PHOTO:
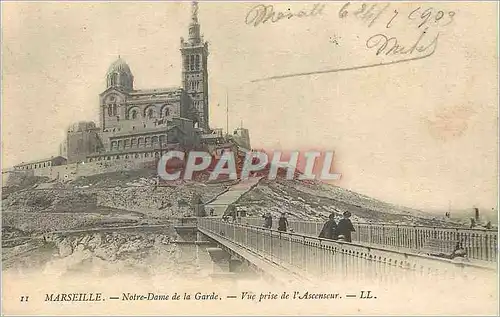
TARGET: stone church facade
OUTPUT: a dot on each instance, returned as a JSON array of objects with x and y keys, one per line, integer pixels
[
  {"x": 138, "y": 126},
  {"x": 143, "y": 123}
]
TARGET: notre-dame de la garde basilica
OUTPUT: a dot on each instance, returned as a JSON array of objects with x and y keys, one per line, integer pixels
[
  {"x": 141, "y": 124},
  {"x": 135, "y": 122}
]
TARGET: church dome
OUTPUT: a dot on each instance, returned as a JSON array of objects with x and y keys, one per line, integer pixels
[
  {"x": 119, "y": 75},
  {"x": 119, "y": 66},
  {"x": 82, "y": 126}
]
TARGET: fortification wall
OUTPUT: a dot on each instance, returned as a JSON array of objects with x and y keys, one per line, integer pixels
[
  {"x": 15, "y": 178},
  {"x": 75, "y": 170}
]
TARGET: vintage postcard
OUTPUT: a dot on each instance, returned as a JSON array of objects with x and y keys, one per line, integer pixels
[{"x": 249, "y": 158}]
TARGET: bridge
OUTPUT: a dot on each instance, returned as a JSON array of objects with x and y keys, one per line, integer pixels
[{"x": 377, "y": 253}]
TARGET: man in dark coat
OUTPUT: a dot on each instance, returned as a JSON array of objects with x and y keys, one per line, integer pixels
[
  {"x": 345, "y": 227},
  {"x": 268, "y": 220},
  {"x": 283, "y": 222},
  {"x": 329, "y": 229}
]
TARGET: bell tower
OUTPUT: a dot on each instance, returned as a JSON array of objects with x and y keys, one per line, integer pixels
[{"x": 194, "y": 53}]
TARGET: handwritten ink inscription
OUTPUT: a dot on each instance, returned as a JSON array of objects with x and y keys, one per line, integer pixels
[
  {"x": 371, "y": 13},
  {"x": 426, "y": 19},
  {"x": 261, "y": 13},
  {"x": 391, "y": 46},
  {"x": 365, "y": 13},
  {"x": 431, "y": 15},
  {"x": 404, "y": 33}
]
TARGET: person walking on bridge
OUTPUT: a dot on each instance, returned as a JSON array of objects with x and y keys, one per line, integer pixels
[
  {"x": 345, "y": 227},
  {"x": 268, "y": 220},
  {"x": 329, "y": 230},
  {"x": 283, "y": 222}
]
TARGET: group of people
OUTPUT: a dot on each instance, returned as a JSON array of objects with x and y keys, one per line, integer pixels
[
  {"x": 331, "y": 229},
  {"x": 282, "y": 221},
  {"x": 341, "y": 231}
]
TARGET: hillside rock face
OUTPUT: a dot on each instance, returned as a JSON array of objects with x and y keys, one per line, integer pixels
[
  {"x": 139, "y": 192},
  {"x": 107, "y": 252},
  {"x": 169, "y": 200},
  {"x": 109, "y": 246},
  {"x": 316, "y": 201},
  {"x": 51, "y": 200}
]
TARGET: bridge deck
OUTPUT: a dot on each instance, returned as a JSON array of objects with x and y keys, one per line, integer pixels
[
  {"x": 278, "y": 271},
  {"x": 231, "y": 196},
  {"x": 309, "y": 258}
]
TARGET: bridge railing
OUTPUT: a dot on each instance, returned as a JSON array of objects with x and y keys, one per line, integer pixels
[
  {"x": 185, "y": 221},
  {"x": 478, "y": 243},
  {"x": 333, "y": 259}
]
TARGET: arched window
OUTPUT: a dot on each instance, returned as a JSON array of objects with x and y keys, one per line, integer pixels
[
  {"x": 162, "y": 139},
  {"x": 136, "y": 155},
  {"x": 110, "y": 111},
  {"x": 165, "y": 111},
  {"x": 157, "y": 154},
  {"x": 114, "y": 110},
  {"x": 132, "y": 113},
  {"x": 149, "y": 112},
  {"x": 146, "y": 154},
  {"x": 120, "y": 144},
  {"x": 114, "y": 144},
  {"x": 114, "y": 79},
  {"x": 197, "y": 62},
  {"x": 147, "y": 141},
  {"x": 140, "y": 142},
  {"x": 126, "y": 143},
  {"x": 133, "y": 142},
  {"x": 155, "y": 140}
]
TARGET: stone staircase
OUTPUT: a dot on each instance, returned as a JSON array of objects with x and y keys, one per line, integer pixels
[{"x": 221, "y": 203}]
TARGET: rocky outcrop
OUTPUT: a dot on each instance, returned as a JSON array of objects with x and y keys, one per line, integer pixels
[
  {"x": 53, "y": 200},
  {"x": 108, "y": 246},
  {"x": 143, "y": 251},
  {"x": 164, "y": 201},
  {"x": 37, "y": 222},
  {"x": 315, "y": 201},
  {"x": 155, "y": 201}
]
